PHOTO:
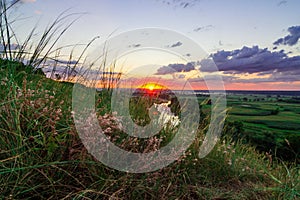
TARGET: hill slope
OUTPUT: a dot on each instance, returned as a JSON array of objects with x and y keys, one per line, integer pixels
[{"x": 41, "y": 155}]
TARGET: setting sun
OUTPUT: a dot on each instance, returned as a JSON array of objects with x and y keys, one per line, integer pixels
[{"x": 152, "y": 86}]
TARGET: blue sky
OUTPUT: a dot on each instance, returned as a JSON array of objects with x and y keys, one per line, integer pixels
[{"x": 216, "y": 25}]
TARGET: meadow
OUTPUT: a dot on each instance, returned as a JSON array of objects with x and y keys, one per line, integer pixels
[
  {"x": 269, "y": 122},
  {"x": 42, "y": 156}
]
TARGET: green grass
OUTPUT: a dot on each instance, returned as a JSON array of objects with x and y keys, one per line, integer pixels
[
  {"x": 43, "y": 161},
  {"x": 42, "y": 156},
  {"x": 277, "y": 132}
]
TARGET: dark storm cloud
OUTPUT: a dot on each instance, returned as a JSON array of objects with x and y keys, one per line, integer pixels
[
  {"x": 177, "y": 44},
  {"x": 290, "y": 39},
  {"x": 253, "y": 60},
  {"x": 173, "y": 68}
]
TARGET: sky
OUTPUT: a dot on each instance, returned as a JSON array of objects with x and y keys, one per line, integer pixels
[{"x": 254, "y": 44}]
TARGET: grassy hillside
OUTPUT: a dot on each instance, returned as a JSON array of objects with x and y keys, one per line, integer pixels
[{"x": 41, "y": 155}]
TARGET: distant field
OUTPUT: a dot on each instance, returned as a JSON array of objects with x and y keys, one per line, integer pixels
[
  {"x": 270, "y": 122},
  {"x": 267, "y": 114}
]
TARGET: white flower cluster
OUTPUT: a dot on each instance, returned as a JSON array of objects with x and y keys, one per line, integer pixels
[{"x": 166, "y": 118}]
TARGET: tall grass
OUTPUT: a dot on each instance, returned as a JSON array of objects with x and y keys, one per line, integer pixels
[{"x": 41, "y": 155}]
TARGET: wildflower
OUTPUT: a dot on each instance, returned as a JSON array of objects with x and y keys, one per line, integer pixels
[
  {"x": 230, "y": 162},
  {"x": 45, "y": 109},
  {"x": 108, "y": 130},
  {"x": 166, "y": 116}
]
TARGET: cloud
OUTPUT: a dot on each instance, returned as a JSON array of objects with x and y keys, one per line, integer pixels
[
  {"x": 176, "y": 45},
  {"x": 282, "y": 3},
  {"x": 180, "y": 3},
  {"x": 210, "y": 77},
  {"x": 59, "y": 72},
  {"x": 134, "y": 45},
  {"x": 276, "y": 66},
  {"x": 173, "y": 68},
  {"x": 178, "y": 76},
  {"x": 65, "y": 72},
  {"x": 22, "y": 1},
  {"x": 253, "y": 60},
  {"x": 28, "y": 1},
  {"x": 290, "y": 39},
  {"x": 12, "y": 47},
  {"x": 203, "y": 28}
]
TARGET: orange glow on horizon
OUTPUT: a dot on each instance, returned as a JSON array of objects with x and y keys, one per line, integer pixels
[{"x": 152, "y": 86}]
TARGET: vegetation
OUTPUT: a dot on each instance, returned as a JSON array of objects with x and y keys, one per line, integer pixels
[
  {"x": 42, "y": 156},
  {"x": 272, "y": 125}
]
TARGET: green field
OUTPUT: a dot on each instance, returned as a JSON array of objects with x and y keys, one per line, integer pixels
[{"x": 269, "y": 122}]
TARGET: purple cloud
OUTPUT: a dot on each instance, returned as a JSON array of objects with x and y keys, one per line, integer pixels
[
  {"x": 173, "y": 68},
  {"x": 290, "y": 39},
  {"x": 249, "y": 60}
]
